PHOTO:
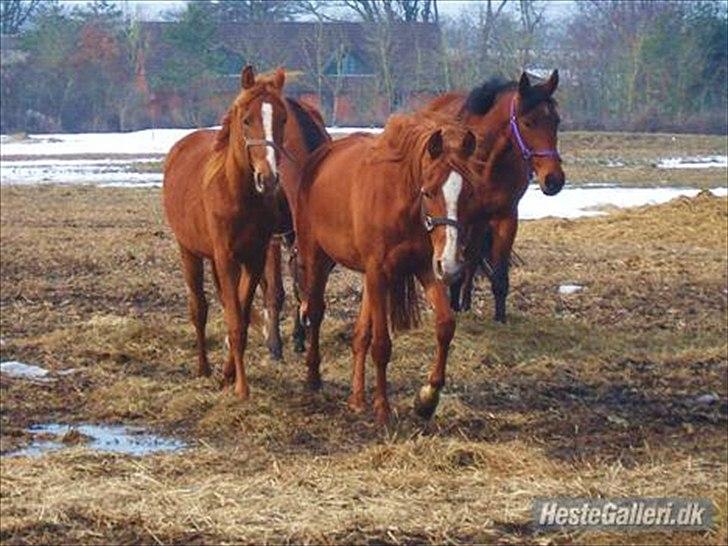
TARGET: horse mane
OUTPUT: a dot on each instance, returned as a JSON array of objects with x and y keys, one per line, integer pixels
[
  {"x": 314, "y": 135},
  {"x": 482, "y": 98}
]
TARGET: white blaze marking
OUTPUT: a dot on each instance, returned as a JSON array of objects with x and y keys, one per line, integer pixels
[
  {"x": 451, "y": 191},
  {"x": 268, "y": 127}
]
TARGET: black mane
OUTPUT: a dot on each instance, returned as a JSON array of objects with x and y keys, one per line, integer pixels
[
  {"x": 482, "y": 98},
  {"x": 313, "y": 135}
]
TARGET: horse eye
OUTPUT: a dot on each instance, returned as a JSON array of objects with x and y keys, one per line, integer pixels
[
  {"x": 246, "y": 122},
  {"x": 427, "y": 194}
]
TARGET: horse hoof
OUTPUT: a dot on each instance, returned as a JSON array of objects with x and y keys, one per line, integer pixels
[
  {"x": 426, "y": 401},
  {"x": 314, "y": 384},
  {"x": 382, "y": 413},
  {"x": 276, "y": 354},
  {"x": 356, "y": 404},
  {"x": 500, "y": 319},
  {"x": 299, "y": 346},
  {"x": 242, "y": 392},
  {"x": 204, "y": 371}
]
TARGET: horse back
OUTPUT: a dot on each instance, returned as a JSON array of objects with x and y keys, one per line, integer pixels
[{"x": 184, "y": 170}]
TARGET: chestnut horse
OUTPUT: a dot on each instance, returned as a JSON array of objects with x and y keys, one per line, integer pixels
[
  {"x": 517, "y": 126},
  {"x": 386, "y": 206},
  {"x": 220, "y": 203},
  {"x": 304, "y": 132}
]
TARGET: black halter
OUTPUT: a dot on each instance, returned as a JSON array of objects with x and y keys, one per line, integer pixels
[{"x": 431, "y": 222}]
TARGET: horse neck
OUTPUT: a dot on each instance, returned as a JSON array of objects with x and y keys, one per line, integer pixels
[{"x": 500, "y": 152}]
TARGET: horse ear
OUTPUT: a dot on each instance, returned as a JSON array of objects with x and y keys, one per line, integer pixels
[
  {"x": 552, "y": 83},
  {"x": 279, "y": 78},
  {"x": 524, "y": 84},
  {"x": 247, "y": 77},
  {"x": 468, "y": 146},
  {"x": 435, "y": 144}
]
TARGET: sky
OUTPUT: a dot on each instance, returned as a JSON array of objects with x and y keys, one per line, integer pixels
[{"x": 154, "y": 9}]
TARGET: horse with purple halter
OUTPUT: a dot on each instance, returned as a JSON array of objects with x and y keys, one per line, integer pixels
[{"x": 516, "y": 124}]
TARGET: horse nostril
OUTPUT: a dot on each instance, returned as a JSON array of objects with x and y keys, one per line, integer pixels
[
  {"x": 553, "y": 183},
  {"x": 438, "y": 268}
]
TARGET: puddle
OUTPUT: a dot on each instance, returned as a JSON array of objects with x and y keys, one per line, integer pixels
[
  {"x": 570, "y": 288},
  {"x": 13, "y": 368},
  {"x": 107, "y": 438}
]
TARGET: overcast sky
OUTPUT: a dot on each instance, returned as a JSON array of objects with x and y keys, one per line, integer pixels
[{"x": 154, "y": 9}]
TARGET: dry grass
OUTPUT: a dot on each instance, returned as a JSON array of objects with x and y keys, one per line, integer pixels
[{"x": 592, "y": 394}]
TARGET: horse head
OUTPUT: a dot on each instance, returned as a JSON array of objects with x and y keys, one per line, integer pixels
[
  {"x": 253, "y": 127},
  {"x": 534, "y": 124},
  {"x": 445, "y": 191}
]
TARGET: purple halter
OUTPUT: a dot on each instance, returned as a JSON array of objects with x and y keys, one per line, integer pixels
[{"x": 527, "y": 152}]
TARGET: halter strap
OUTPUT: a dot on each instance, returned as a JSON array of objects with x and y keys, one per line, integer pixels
[
  {"x": 251, "y": 142},
  {"x": 527, "y": 152},
  {"x": 431, "y": 222}
]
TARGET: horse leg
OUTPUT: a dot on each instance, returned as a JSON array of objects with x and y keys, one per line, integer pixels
[
  {"x": 228, "y": 371},
  {"x": 228, "y": 272},
  {"x": 504, "y": 233},
  {"x": 467, "y": 286},
  {"x": 193, "y": 268},
  {"x": 360, "y": 345},
  {"x": 316, "y": 274},
  {"x": 271, "y": 284},
  {"x": 299, "y": 332},
  {"x": 427, "y": 399},
  {"x": 381, "y": 344},
  {"x": 455, "y": 291},
  {"x": 473, "y": 254}
]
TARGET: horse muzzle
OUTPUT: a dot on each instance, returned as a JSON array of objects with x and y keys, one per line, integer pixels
[
  {"x": 265, "y": 182},
  {"x": 447, "y": 271},
  {"x": 553, "y": 183}
]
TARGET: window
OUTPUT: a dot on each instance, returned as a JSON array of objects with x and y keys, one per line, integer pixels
[{"x": 349, "y": 65}]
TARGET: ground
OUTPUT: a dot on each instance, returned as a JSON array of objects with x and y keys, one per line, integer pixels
[{"x": 597, "y": 393}]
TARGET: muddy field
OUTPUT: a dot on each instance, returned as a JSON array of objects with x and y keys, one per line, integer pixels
[{"x": 618, "y": 389}]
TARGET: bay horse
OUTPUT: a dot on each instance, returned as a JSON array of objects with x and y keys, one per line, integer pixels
[
  {"x": 304, "y": 132},
  {"x": 219, "y": 199},
  {"x": 517, "y": 126},
  {"x": 386, "y": 206}
]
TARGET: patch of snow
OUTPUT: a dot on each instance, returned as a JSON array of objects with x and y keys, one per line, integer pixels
[
  {"x": 109, "y": 438},
  {"x": 582, "y": 201},
  {"x": 570, "y": 288},
  {"x": 614, "y": 163},
  {"x": 63, "y": 172},
  {"x": 13, "y": 368},
  {"x": 120, "y": 184},
  {"x": 695, "y": 162},
  {"x": 147, "y": 141},
  {"x": 707, "y": 399},
  {"x": 343, "y": 131}
]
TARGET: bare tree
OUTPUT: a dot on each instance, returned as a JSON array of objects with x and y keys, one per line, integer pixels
[
  {"x": 408, "y": 11},
  {"x": 13, "y": 13}
]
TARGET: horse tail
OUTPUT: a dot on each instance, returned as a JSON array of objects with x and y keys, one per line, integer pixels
[{"x": 404, "y": 303}]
